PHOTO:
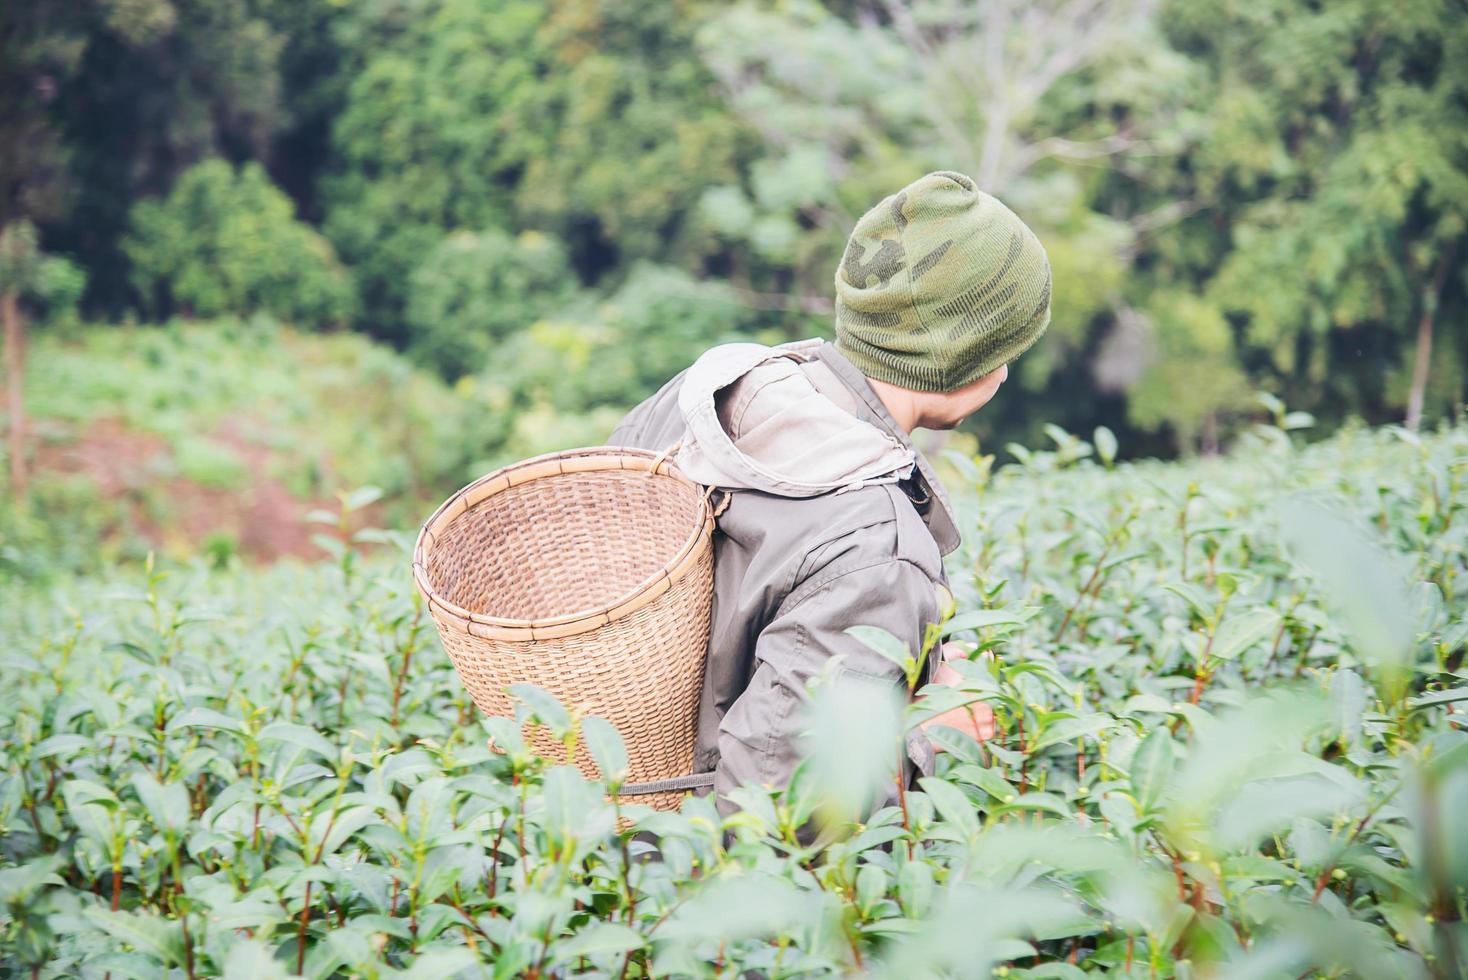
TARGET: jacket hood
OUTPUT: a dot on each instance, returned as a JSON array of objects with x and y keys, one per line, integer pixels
[{"x": 777, "y": 420}]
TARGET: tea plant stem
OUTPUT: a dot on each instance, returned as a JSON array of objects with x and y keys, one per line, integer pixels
[
  {"x": 520, "y": 825},
  {"x": 456, "y": 902},
  {"x": 664, "y": 917},
  {"x": 902, "y": 795},
  {"x": 1324, "y": 878},
  {"x": 544, "y": 955},
  {"x": 1182, "y": 524},
  {"x": 160, "y": 723},
  {"x": 1095, "y": 573},
  {"x": 1278, "y": 638},
  {"x": 626, "y": 867},
  {"x": 1304, "y": 650},
  {"x": 188, "y": 942},
  {"x": 1024, "y": 757},
  {"x": 30, "y": 805},
  {"x": 1177, "y": 872},
  {"x": 494, "y": 878},
  {"x": 397, "y": 688},
  {"x": 301, "y": 933}
]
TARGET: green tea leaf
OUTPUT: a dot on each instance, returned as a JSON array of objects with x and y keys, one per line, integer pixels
[
  {"x": 544, "y": 705},
  {"x": 1238, "y": 633},
  {"x": 977, "y": 619},
  {"x": 1105, "y": 441},
  {"x": 884, "y": 643},
  {"x": 206, "y": 718},
  {"x": 301, "y": 737},
  {"x": 952, "y": 805},
  {"x": 606, "y": 747},
  {"x": 988, "y": 780},
  {"x": 1151, "y": 768},
  {"x": 599, "y": 939},
  {"x": 152, "y": 934},
  {"x": 167, "y": 805}
]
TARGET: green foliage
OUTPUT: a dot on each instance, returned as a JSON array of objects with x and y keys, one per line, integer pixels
[
  {"x": 58, "y": 291},
  {"x": 20, "y": 257},
  {"x": 568, "y": 380},
  {"x": 421, "y": 138},
  {"x": 627, "y": 131},
  {"x": 587, "y": 118},
  {"x": 1339, "y": 158},
  {"x": 335, "y": 410},
  {"x": 120, "y": 97},
  {"x": 1194, "y": 373},
  {"x": 473, "y": 291},
  {"x": 50, "y": 285},
  {"x": 228, "y": 242},
  {"x": 1291, "y": 171},
  {"x": 1213, "y": 759}
]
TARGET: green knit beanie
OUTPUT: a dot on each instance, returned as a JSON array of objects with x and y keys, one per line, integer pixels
[{"x": 940, "y": 284}]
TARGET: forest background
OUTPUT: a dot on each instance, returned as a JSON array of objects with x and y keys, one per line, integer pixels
[{"x": 537, "y": 212}]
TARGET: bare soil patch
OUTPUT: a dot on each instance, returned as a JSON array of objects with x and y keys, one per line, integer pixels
[{"x": 265, "y": 520}]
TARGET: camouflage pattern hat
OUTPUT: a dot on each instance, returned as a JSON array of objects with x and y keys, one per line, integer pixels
[{"x": 940, "y": 284}]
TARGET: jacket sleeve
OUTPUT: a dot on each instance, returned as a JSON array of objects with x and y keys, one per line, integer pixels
[{"x": 759, "y": 737}]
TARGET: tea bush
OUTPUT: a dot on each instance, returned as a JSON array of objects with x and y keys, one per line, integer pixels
[{"x": 1230, "y": 701}]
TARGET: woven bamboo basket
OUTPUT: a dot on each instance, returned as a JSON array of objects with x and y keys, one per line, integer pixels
[{"x": 589, "y": 573}]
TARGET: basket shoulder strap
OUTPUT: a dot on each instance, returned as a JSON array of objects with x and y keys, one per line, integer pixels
[{"x": 696, "y": 780}]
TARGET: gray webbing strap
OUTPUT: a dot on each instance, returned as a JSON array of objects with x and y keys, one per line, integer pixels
[{"x": 696, "y": 781}]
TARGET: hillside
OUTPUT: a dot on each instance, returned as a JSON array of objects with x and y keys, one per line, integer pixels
[{"x": 222, "y": 437}]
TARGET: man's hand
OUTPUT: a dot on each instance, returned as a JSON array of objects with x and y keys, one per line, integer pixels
[{"x": 976, "y": 719}]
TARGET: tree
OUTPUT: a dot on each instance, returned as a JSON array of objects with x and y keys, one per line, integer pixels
[
  {"x": 1343, "y": 190},
  {"x": 227, "y": 241},
  {"x": 157, "y": 86},
  {"x": 591, "y": 120},
  {"x": 1192, "y": 372},
  {"x": 473, "y": 291},
  {"x": 566, "y": 379},
  {"x": 40, "y": 47},
  {"x": 20, "y": 261}
]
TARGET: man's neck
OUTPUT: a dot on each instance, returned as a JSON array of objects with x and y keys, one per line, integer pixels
[{"x": 899, "y": 404}]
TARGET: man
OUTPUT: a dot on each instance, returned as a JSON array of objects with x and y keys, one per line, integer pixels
[{"x": 833, "y": 518}]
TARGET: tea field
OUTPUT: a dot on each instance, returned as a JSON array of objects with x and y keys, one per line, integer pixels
[{"x": 1230, "y": 696}]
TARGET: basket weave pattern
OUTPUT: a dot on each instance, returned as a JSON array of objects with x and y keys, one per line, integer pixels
[{"x": 588, "y": 573}]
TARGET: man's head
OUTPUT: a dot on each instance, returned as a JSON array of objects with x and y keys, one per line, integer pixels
[{"x": 940, "y": 287}]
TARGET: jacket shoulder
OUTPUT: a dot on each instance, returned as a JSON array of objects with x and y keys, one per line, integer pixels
[
  {"x": 655, "y": 423},
  {"x": 837, "y": 534}
]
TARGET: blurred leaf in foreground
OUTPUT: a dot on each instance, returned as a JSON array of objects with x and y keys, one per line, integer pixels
[{"x": 1366, "y": 585}]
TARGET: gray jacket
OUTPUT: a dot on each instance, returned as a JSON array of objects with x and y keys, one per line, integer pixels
[{"x": 834, "y": 520}]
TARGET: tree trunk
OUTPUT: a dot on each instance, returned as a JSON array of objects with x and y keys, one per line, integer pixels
[
  {"x": 1210, "y": 434},
  {"x": 1423, "y": 360},
  {"x": 14, "y": 378}
]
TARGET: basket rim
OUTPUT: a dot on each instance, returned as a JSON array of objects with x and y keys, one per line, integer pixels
[{"x": 582, "y": 460}]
